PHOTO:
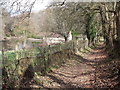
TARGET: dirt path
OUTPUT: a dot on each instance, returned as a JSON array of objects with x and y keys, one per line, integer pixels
[{"x": 81, "y": 71}]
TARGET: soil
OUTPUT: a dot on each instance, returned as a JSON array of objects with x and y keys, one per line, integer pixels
[{"x": 92, "y": 69}]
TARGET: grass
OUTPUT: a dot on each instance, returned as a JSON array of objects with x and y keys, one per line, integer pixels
[
  {"x": 9, "y": 55},
  {"x": 34, "y": 36},
  {"x": 85, "y": 50},
  {"x": 74, "y": 34},
  {"x": 51, "y": 68}
]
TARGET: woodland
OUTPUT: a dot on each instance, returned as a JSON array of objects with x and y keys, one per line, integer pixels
[{"x": 96, "y": 65}]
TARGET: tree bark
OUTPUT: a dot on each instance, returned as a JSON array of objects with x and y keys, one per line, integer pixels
[
  {"x": 107, "y": 26},
  {"x": 117, "y": 42}
]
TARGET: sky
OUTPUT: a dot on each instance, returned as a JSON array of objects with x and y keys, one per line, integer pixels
[
  {"x": 40, "y": 5},
  {"x": 22, "y": 5}
]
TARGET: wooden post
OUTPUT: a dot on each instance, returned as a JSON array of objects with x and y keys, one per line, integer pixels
[
  {"x": 3, "y": 59},
  {"x": 16, "y": 51},
  {"x": 73, "y": 47},
  {"x": 60, "y": 47},
  {"x": 44, "y": 72},
  {"x": 48, "y": 57}
]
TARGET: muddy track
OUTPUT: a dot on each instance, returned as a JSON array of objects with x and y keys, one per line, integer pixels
[{"x": 81, "y": 71}]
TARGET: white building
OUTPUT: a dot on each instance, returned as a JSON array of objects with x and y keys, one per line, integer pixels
[{"x": 69, "y": 36}]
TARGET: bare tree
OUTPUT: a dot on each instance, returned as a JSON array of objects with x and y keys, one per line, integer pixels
[
  {"x": 17, "y": 6},
  {"x": 61, "y": 20}
]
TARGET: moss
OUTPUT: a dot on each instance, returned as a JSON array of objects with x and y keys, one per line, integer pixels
[
  {"x": 91, "y": 27},
  {"x": 10, "y": 56}
]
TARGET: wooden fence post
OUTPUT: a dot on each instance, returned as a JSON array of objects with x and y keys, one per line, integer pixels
[
  {"x": 3, "y": 58},
  {"x": 74, "y": 47},
  {"x": 48, "y": 57},
  {"x": 45, "y": 59},
  {"x": 16, "y": 51},
  {"x": 60, "y": 47}
]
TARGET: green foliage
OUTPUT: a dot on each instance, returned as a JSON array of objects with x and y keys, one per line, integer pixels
[
  {"x": 36, "y": 43},
  {"x": 92, "y": 31},
  {"x": 75, "y": 33},
  {"x": 91, "y": 27},
  {"x": 55, "y": 67},
  {"x": 33, "y": 36},
  {"x": 50, "y": 68},
  {"x": 18, "y": 30},
  {"x": 24, "y": 30},
  {"x": 10, "y": 56}
]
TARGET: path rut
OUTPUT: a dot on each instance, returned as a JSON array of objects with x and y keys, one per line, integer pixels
[{"x": 79, "y": 71}]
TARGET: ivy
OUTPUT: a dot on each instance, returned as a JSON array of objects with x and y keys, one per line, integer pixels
[{"x": 91, "y": 27}]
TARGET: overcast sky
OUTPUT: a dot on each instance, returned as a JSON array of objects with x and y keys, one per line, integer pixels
[
  {"x": 40, "y": 5},
  {"x": 21, "y": 5}
]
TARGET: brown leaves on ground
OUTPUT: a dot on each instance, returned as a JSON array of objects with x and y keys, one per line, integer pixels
[{"x": 83, "y": 70}]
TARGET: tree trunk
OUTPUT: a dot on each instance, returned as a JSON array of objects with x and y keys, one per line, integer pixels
[
  {"x": 117, "y": 44},
  {"x": 66, "y": 39},
  {"x": 103, "y": 26},
  {"x": 107, "y": 26}
]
